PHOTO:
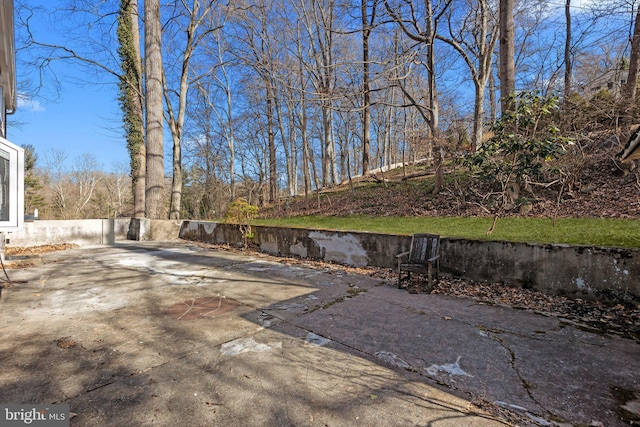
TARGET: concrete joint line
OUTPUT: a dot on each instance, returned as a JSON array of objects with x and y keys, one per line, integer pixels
[
  {"x": 339, "y": 299},
  {"x": 350, "y": 347}
]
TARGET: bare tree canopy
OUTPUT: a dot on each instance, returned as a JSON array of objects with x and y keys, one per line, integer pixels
[{"x": 267, "y": 99}]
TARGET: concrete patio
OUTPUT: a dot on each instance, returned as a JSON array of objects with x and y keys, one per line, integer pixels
[{"x": 177, "y": 334}]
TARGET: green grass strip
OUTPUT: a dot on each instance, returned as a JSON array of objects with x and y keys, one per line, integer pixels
[{"x": 575, "y": 231}]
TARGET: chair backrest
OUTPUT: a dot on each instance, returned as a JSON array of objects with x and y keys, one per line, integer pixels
[{"x": 423, "y": 247}]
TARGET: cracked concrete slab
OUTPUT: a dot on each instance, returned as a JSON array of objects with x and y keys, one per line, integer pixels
[{"x": 175, "y": 334}]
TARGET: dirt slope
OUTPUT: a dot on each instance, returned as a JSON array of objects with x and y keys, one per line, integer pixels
[{"x": 599, "y": 187}]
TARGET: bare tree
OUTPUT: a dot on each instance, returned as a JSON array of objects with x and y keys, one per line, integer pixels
[
  {"x": 258, "y": 52},
  {"x": 302, "y": 118},
  {"x": 632, "y": 78},
  {"x": 131, "y": 99},
  {"x": 87, "y": 40},
  {"x": 116, "y": 185},
  {"x": 57, "y": 181},
  {"x": 507, "y": 52},
  {"x": 568, "y": 62},
  {"x": 198, "y": 18},
  {"x": 474, "y": 38},
  {"x": 206, "y": 193},
  {"x": 85, "y": 175},
  {"x": 319, "y": 20},
  {"x": 225, "y": 83},
  {"x": 70, "y": 191},
  {"x": 424, "y": 31},
  {"x": 368, "y": 20},
  {"x": 154, "y": 118}
]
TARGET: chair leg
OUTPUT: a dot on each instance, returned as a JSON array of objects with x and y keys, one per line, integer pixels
[
  {"x": 400, "y": 278},
  {"x": 429, "y": 268}
]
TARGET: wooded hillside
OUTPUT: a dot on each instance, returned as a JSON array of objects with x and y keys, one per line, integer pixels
[
  {"x": 269, "y": 99},
  {"x": 600, "y": 187}
]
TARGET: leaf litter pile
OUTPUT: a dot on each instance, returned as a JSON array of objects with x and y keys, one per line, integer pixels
[
  {"x": 42, "y": 249},
  {"x": 602, "y": 312},
  {"x": 24, "y": 257},
  {"x": 610, "y": 313}
]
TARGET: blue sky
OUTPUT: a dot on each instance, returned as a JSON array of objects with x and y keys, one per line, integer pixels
[
  {"x": 78, "y": 118},
  {"x": 86, "y": 119}
]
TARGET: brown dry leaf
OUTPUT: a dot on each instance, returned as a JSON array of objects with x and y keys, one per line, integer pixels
[{"x": 31, "y": 250}]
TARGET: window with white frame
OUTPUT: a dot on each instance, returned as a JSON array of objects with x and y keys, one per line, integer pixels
[
  {"x": 11, "y": 186},
  {"x": 3, "y": 114}
]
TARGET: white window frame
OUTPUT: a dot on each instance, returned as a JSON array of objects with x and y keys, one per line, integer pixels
[
  {"x": 3, "y": 115},
  {"x": 16, "y": 187}
]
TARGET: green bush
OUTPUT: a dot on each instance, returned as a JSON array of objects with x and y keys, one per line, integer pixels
[
  {"x": 242, "y": 213},
  {"x": 524, "y": 140}
]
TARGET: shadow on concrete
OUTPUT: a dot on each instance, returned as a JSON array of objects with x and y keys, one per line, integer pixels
[{"x": 92, "y": 329}]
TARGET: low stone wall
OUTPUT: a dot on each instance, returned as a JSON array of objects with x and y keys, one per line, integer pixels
[
  {"x": 555, "y": 269},
  {"x": 164, "y": 229},
  {"x": 357, "y": 249},
  {"x": 78, "y": 231},
  {"x": 157, "y": 230}
]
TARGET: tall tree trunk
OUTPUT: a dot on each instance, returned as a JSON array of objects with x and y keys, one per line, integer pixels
[
  {"x": 568, "y": 63},
  {"x": 176, "y": 181},
  {"x": 493, "y": 105},
  {"x": 289, "y": 162},
  {"x": 131, "y": 98},
  {"x": 366, "y": 90},
  {"x": 139, "y": 187},
  {"x": 292, "y": 137},
  {"x": 176, "y": 119},
  {"x": 631, "y": 87},
  {"x": 295, "y": 156},
  {"x": 507, "y": 52},
  {"x": 478, "y": 110},
  {"x": 230, "y": 140},
  {"x": 273, "y": 177},
  {"x": 306, "y": 155},
  {"x": 153, "y": 83},
  {"x": 332, "y": 148},
  {"x": 431, "y": 117},
  {"x": 329, "y": 166},
  {"x": 388, "y": 133},
  {"x": 434, "y": 112},
  {"x": 306, "y": 158},
  {"x": 478, "y": 59},
  {"x": 230, "y": 132},
  {"x": 319, "y": 25}
]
